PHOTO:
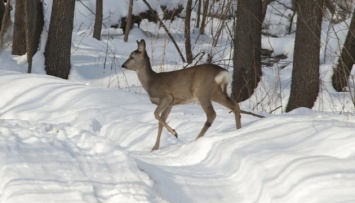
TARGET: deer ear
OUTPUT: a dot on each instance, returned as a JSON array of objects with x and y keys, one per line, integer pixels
[{"x": 141, "y": 45}]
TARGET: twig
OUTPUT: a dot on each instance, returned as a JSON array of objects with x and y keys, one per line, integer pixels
[
  {"x": 253, "y": 114},
  {"x": 196, "y": 59},
  {"x": 167, "y": 31},
  {"x": 275, "y": 109}
]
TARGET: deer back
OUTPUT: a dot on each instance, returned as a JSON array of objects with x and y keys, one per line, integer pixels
[{"x": 183, "y": 85}]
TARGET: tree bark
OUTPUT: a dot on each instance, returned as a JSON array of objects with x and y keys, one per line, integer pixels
[
  {"x": 5, "y": 23},
  {"x": 98, "y": 20},
  {"x": 129, "y": 21},
  {"x": 346, "y": 60},
  {"x": 34, "y": 25},
  {"x": 2, "y": 11},
  {"x": 187, "y": 32},
  {"x": 247, "y": 49},
  {"x": 198, "y": 13},
  {"x": 305, "y": 73},
  {"x": 19, "y": 33},
  {"x": 57, "y": 51},
  {"x": 204, "y": 16}
]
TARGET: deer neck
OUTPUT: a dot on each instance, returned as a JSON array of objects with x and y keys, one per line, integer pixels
[{"x": 146, "y": 75}]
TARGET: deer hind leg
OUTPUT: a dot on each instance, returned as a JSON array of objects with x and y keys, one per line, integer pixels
[
  {"x": 164, "y": 116},
  {"x": 223, "y": 99},
  {"x": 206, "y": 105}
]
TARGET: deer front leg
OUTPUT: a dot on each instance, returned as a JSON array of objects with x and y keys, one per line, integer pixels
[
  {"x": 164, "y": 116},
  {"x": 164, "y": 104}
]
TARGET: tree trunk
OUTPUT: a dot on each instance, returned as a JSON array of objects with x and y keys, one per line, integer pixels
[
  {"x": 98, "y": 20},
  {"x": 34, "y": 26},
  {"x": 5, "y": 23},
  {"x": 204, "y": 16},
  {"x": 198, "y": 13},
  {"x": 57, "y": 51},
  {"x": 129, "y": 21},
  {"x": 187, "y": 32},
  {"x": 346, "y": 60},
  {"x": 247, "y": 49},
  {"x": 305, "y": 73},
  {"x": 2, "y": 11},
  {"x": 19, "y": 33}
]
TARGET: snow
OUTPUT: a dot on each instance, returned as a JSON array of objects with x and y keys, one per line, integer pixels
[
  {"x": 89, "y": 138},
  {"x": 62, "y": 141}
]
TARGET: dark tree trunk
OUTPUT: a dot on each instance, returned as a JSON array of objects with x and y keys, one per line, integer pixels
[
  {"x": 346, "y": 60},
  {"x": 34, "y": 26},
  {"x": 187, "y": 32},
  {"x": 19, "y": 39},
  {"x": 247, "y": 49},
  {"x": 129, "y": 21},
  {"x": 198, "y": 14},
  {"x": 305, "y": 73},
  {"x": 5, "y": 23},
  {"x": 204, "y": 16},
  {"x": 2, "y": 11},
  {"x": 57, "y": 52},
  {"x": 98, "y": 20}
]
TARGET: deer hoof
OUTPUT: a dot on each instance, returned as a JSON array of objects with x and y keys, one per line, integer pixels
[
  {"x": 175, "y": 133},
  {"x": 154, "y": 148}
]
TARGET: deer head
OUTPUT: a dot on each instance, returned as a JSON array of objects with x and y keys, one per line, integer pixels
[{"x": 138, "y": 59}]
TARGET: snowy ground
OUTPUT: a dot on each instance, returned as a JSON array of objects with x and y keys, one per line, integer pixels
[
  {"x": 62, "y": 141},
  {"x": 89, "y": 139}
]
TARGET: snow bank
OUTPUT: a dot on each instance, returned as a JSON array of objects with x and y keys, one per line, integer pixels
[{"x": 62, "y": 141}]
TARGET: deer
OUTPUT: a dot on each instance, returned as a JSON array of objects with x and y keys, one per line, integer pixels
[{"x": 204, "y": 84}]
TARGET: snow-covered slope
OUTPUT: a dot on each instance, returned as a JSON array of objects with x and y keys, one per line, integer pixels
[{"x": 67, "y": 142}]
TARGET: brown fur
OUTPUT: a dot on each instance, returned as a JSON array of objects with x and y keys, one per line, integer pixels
[{"x": 202, "y": 83}]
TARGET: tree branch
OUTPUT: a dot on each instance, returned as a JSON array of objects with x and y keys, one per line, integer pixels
[{"x": 167, "y": 31}]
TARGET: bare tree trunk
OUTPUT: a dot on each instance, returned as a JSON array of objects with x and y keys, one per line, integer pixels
[
  {"x": 98, "y": 20},
  {"x": 2, "y": 11},
  {"x": 187, "y": 32},
  {"x": 305, "y": 73},
  {"x": 5, "y": 23},
  {"x": 34, "y": 26},
  {"x": 247, "y": 49},
  {"x": 198, "y": 14},
  {"x": 57, "y": 52},
  {"x": 346, "y": 60},
  {"x": 204, "y": 16},
  {"x": 331, "y": 6},
  {"x": 19, "y": 39},
  {"x": 129, "y": 21}
]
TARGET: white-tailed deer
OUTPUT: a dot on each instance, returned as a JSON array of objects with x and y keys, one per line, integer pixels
[{"x": 201, "y": 83}]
